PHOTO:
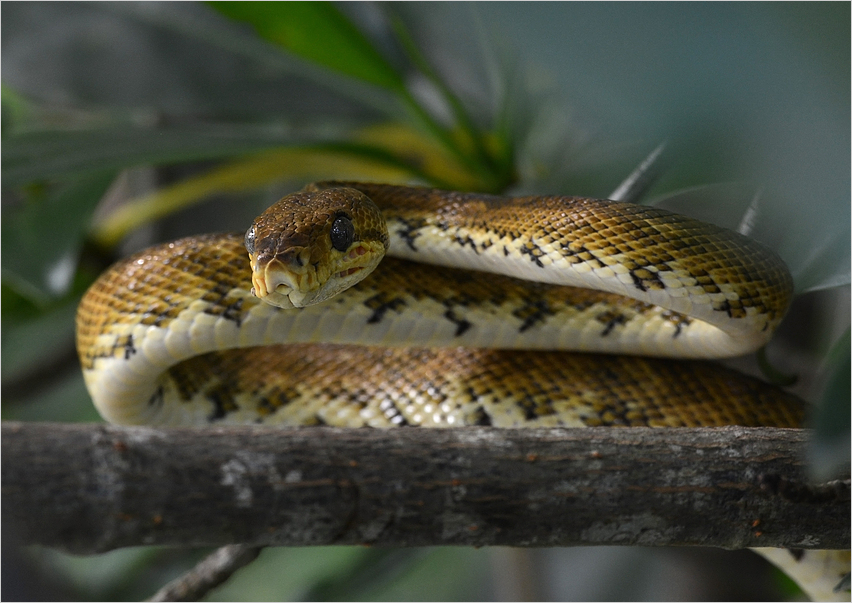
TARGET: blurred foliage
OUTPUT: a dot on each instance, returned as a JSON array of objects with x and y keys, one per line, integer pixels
[
  {"x": 829, "y": 453},
  {"x": 284, "y": 93},
  {"x": 318, "y": 32}
]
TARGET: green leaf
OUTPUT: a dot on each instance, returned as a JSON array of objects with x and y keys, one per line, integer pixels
[
  {"x": 15, "y": 109},
  {"x": 318, "y": 32},
  {"x": 29, "y": 343},
  {"x": 40, "y": 155},
  {"x": 829, "y": 448},
  {"x": 175, "y": 19},
  {"x": 41, "y": 239},
  {"x": 343, "y": 160}
]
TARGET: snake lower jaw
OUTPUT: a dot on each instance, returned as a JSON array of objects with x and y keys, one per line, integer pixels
[
  {"x": 290, "y": 289},
  {"x": 282, "y": 289},
  {"x": 287, "y": 297}
]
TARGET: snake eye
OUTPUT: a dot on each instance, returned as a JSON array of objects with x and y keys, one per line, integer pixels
[
  {"x": 250, "y": 235},
  {"x": 342, "y": 233}
]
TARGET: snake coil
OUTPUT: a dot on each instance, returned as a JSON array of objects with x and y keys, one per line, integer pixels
[{"x": 178, "y": 334}]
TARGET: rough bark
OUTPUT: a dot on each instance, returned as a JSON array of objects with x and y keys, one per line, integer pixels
[{"x": 92, "y": 488}]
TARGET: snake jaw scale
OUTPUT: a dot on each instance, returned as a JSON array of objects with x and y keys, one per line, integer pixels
[
  {"x": 258, "y": 285},
  {"x": 282, "y": 284}
]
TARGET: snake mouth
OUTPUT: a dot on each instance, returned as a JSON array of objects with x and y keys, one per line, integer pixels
[
  {"x": 349, "y": 271},
  {"x": 280, "y": 286},
  {"x": 358, "y": 259},
  {"x": 296, "y": 284},
  {"x": 281, "y": 283}
]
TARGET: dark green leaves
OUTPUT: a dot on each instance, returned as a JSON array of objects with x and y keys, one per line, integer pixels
[
  {"x": 42, "y": 238},
  {"x": 829, "y": 449},
  {"x": 318, "y": 32},
  {"x": 33, "y": 156}
]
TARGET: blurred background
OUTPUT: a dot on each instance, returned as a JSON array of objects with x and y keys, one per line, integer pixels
[{"x": 125, "y": 124}]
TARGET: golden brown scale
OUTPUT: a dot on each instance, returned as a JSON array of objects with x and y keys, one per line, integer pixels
[
  {"x": 155, "y": 285},
  {"x": 315, "y": 384},
  {"x": 589, "y": 228},
  {"x": 200, "y": 285},
  {"x": 490, "y": 386},
  {"x": 312, "y": 235}
]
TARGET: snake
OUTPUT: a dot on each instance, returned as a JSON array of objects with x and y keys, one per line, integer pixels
[{"x": 534, "y": 311}]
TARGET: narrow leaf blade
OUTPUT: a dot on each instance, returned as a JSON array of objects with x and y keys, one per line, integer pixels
[
  {"x": 318, "y": 32},
  {"x": 41, "y": 241}
]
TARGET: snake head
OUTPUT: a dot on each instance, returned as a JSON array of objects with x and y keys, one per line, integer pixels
[{"x": 310, "y": 246}]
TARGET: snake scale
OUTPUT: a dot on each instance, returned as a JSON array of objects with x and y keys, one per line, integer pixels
[{"x": 173, "y": 334}]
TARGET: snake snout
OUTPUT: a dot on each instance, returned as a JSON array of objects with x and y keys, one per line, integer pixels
[
  {"x": 286, "y": 279},
  {"x": 312, "y": 245}
]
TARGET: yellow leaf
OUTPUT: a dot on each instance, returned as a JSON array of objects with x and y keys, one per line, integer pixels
[{"x": 246, "y": 174}]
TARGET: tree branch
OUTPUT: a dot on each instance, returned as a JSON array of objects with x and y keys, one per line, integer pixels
[
  {"x": 212, "y": 571},
  {"x": 91, "y": 488}
]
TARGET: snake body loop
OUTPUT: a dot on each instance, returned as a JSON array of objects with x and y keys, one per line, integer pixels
[
  {"x": 656, "y": 284},
  {"x": 177, "y": 333}
]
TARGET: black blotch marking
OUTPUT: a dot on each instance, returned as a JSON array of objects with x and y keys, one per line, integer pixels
[
  {"x": 157, "y": 319},
  {"x": 410, "y": 231},
  {"x": 400, "y": 420},
  {"x": 462, "y": 324},
  {"x": 234, "y": 312},
  {"x": 158, "y": 397},
  {"x": 471, "y": 393},
  {"x": 583, "y": 305},
  {"x": 733, "y": 311},
  {"x": 380, "y": 304},
  {"x": 466, "y": 240},
  {"x": 217, "y": 297},
  {"x": 532, "y": 312},
  {"x": 534, "y": 251},
  {"x": 223, "y": 403},
  {"x": 129, "y": 348},
  {"x": 637, "y": 282},
  {"x": 678, "y": 320},
  {"x": 529, "y": 409},
  {"x": 481, "y": 418},
  {"x": 358, "y": 398},
  {"x": 611, "y": 320},
  {"x": 266, "y": 406},
  {"x": 581, "y": 254},
  {"x": 645, "y": 279}
]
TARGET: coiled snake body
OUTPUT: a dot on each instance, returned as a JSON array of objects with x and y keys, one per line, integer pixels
[{"x": 170, "y": 335}]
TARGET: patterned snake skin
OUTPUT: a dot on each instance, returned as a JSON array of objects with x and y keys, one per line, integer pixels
[{"x": 170, "y": 335}]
